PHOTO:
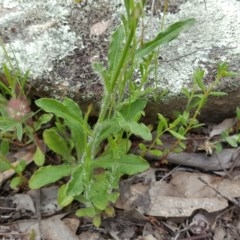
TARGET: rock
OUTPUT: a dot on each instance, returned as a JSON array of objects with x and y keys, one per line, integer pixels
[{"x": 59, "y": 40}]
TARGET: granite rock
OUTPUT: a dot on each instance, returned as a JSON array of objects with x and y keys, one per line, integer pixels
[{"x": 59, "y": 40}]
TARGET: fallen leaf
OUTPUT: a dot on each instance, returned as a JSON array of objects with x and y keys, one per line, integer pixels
[
  {"x": 223, "y": 126},
  {"x": 182, "y": 195}
]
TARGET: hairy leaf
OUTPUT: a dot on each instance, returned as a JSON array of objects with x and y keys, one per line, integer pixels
[
  {"x": 177, "y": 135},
  {"x": 49, "y": 174},
  {"x": 126, "y": 164},
  {"x": 132, "y": 111},
  {"x": 56, "y": 142},
  {"x": 166, "y": 36},
  {"x": 76, "y": 185},
  {"x": 115, "y": 50}
]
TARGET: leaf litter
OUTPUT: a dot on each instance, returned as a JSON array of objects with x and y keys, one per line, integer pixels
[{"x": 197, "y": 199}]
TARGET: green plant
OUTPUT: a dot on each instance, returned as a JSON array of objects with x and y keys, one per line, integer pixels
[
  {"x": 95, "y": 158},
  {"x": 17, "y": 125},
  {"x": 184, "y": 122}
]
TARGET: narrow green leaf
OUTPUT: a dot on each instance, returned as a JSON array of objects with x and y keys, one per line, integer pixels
[
  {"x": 238, "y": 112},
  {"x": 115, "y": 50},
  {"x": 102, "y": 72},
  {"x": 19, "y": 130},
  {"x": 4, "y": 147},
  {"x": 166, "y": 36},
  {"x": 198, "y": 79},
  {"x": 126, "y": 164},
  {"x": 49, "y": 174},
  {"x": 177, "y": 135},
  {"x": 163, "y": 120}
]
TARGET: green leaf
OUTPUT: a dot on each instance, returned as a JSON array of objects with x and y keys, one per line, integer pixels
[
  {"x": 76, "y": 184},
  {"x": 60, "y": 110},
  {"x": 133, "y": 110},
  {"x": 16, "y": 182},
  {"x": 109, "y": 211},
  {"x": 43, "y": 119},
  {"x": 20, "y": 167},
  {"x": 115, "y": 50},
  {"x": 107, "y": 128},
  {"x": 138, "y": 129},
  {"x": 73, "y": 108},
  {"x": 198, "y": 79},
  {"x": 4, "y": 147},
  {"x": 177, "y": 135},
  {"x": 176, "y": 122},
  {"x": 218, "y": 94},
  {"x": 49, "y": 174},
  {"x": 127, "y": 164},
  {"x": 222, "y": 71},
  {"x": 56, "y": 143},
  {"x": 186, "y": 92},
  {"x": 238, "y": 112},
  {"x": 63, "y": 199},
  {"x": 113, "y": 197},
  {"x": 19, "y": 129},
  {"x": 86, "y": 212},
  {"x": 8, "y": 125},
  {"x": 39, "y": 157},
  {"x": 218, "y": 147},
  {"x": 164, "y": 37},
  {"x": 100, "y": 201},
  {"x": 163, "y": 121},
  {"x": 186, "y": 115},
  {"x": 232, "y": 141},
  {"x": 156, "y": 152},
  {"x": 142, "y": 146},
  {"x": 101, "y": 70},
  {"x": 4, "y": 164},
  {"x": 97, "y": 221}
]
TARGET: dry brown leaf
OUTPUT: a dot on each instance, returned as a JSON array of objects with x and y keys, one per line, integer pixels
[
  {"x": 185, "y": 193},
  {"x": 223, "y": 126}
]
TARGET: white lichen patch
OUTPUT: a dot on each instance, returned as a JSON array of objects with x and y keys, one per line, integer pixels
[
  {"x": 214, "y": 38},
  {"x": 41, "y": 35}
]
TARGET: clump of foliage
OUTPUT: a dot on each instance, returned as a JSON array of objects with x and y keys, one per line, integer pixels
[
  {"x": 94, "y": 158},
  {"x": 16, "y": 119},
  {"x": 101, "y": 153}
]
